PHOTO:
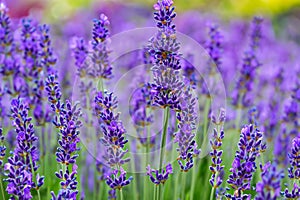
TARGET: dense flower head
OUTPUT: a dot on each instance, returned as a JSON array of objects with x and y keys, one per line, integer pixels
[
  {"x": 30, "y": 39},
  {"x": 216, "y": 168},
  {"x": 8, "y": 63},
  {"x": 22, "y": 164},
  {"x": 80, "y": 53},
  {"x": 243, "y": 167},
  {"x": 158, "y": 177},
  {"x": 54, "y": 93},
  {"x": 269, "y": 187},
  {"x": 294, "y": 194},
  {"x": 113, "y": 131},
  {"x": 187, "y": 118},
  {"x": 256, "y": 34},
  {"x": 68, "y": 184},
  {"x": 166, "y": 90},
  {"x": 214, "y": 45},
  {"x": 68, "y": 123},
  {"x": 164, "y": 15},
  {"x": 2, "y": 150},
  {"x": 102, "y": 67},
  {"x": 100, "y": 30},
  {"x": 189, "y": 71},
  {"x": 48, "y": 60},
  {"x": 294, "y": 158},
  {"x": 117, "y": 179},
  {"x": 244, "y": 86}
]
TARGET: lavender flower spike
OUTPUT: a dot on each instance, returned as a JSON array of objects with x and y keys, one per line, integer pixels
[
  {"x": 2, "y": 151},
  {"x": 100, "y": 58},
  {"x": 22, "y": 165},
  {"x": 159, "y": 178},
  {"x": 243, "y": 167},
  {"x": 118, "y": 182},
  {"x": 216, "y": 168},
  {"x": 269, "y": 187},
  {"x": 68, "y": 123},
  {"x": 294, "y": 170}
]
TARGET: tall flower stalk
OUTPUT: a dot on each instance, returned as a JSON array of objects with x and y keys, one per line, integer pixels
[
  {"x": 113, "y": 139},
  {"x": 22, "y": 165},
  {"x": 250, "y": 147},
  {"x": 68, "y": 124}
]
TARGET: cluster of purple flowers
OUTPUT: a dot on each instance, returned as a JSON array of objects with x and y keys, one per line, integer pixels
[
  {"x": 68, "y": 123},
  {"x": 22, "y": 164},
  {"x": 241, "y": 96},
  {"x": 250, "y": 147},
  {"x": 294, "y": 170},
  {"x": 113, "y": 139},
  {"x": 216, "y": 167},
  {"x": 187, "y": 118},
  {"x": 269, "y": 187}
]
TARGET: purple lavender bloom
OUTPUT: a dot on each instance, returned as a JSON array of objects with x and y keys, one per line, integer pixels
[
  {"x": 117, "y": 179},
  {"x": 54, "y": 94},
  {"x": 48, "y": 59},
  {"x": 164, "y": 15},
  {"x": 187, "y": 146},
  {"x": 68, "y": 123},
  {"x": 243, "y": 167},
  {"x": 214, "y": 46},
  {"x": 113, "y": 139},
  {"x": 281, "y": 147},
  {"x": 269, "y": 187},
  {"x": 241, "y": 94},
  {"x": 100, "y": 56},
  {"x": 8, "y": 63},
  {"x": 80, "y": 53},
  {"x": 112, "y": 194},
  {"x": 216, "y": 168},
  {"x": 189, "y": 71},
  {"x": 294, "y": 157},
  {"x": 159, "y": 178},
  {"x": 163, "y": 48},
  {"x": 294, "y": 194},
  {"x": 22, "y": 165},
  {"x": 112, "y": 128},
  {"x": 29, "y": 39},
  {"x": 2, "y": 150}
]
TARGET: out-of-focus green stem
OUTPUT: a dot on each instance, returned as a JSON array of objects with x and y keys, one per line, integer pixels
[
  {"x": 205, "y": 124},
  {"x": 163, "y": 142},
  {"x": 2, "y": 190},
  {"x": 183, "y": 185}
]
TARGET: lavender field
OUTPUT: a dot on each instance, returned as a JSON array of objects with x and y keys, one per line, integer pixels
[{"x": 130, "y": 102}]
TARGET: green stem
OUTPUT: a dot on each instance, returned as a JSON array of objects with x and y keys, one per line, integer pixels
[
  {"x": 194, "y": 174},
  {"x": 163, "y": 137},
  {"x": 121, "y": 194},
  {"x": 163, "y": 141},
  {"x": 205, "y": 123},
  {"x": 2, "y": 190},
  {"x": 183, "y": 185},
  {"x": 212, "y": 193}
]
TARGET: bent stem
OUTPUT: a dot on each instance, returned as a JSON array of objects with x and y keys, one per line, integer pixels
[{"x": 163, "y": 141}]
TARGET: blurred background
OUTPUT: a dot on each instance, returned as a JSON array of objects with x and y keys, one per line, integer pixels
[{"x": 283, "y": 14}]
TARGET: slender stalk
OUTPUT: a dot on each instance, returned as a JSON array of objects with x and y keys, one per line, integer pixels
[
  {"x": 163, "y": 141},
  {"x": 2, "y": 190},
  {"x": 121, "y": 194},
  {"x": 183, "y": 185},
  {"x": 212, "y": 192},
  {"x": 194, "y": 174}
]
